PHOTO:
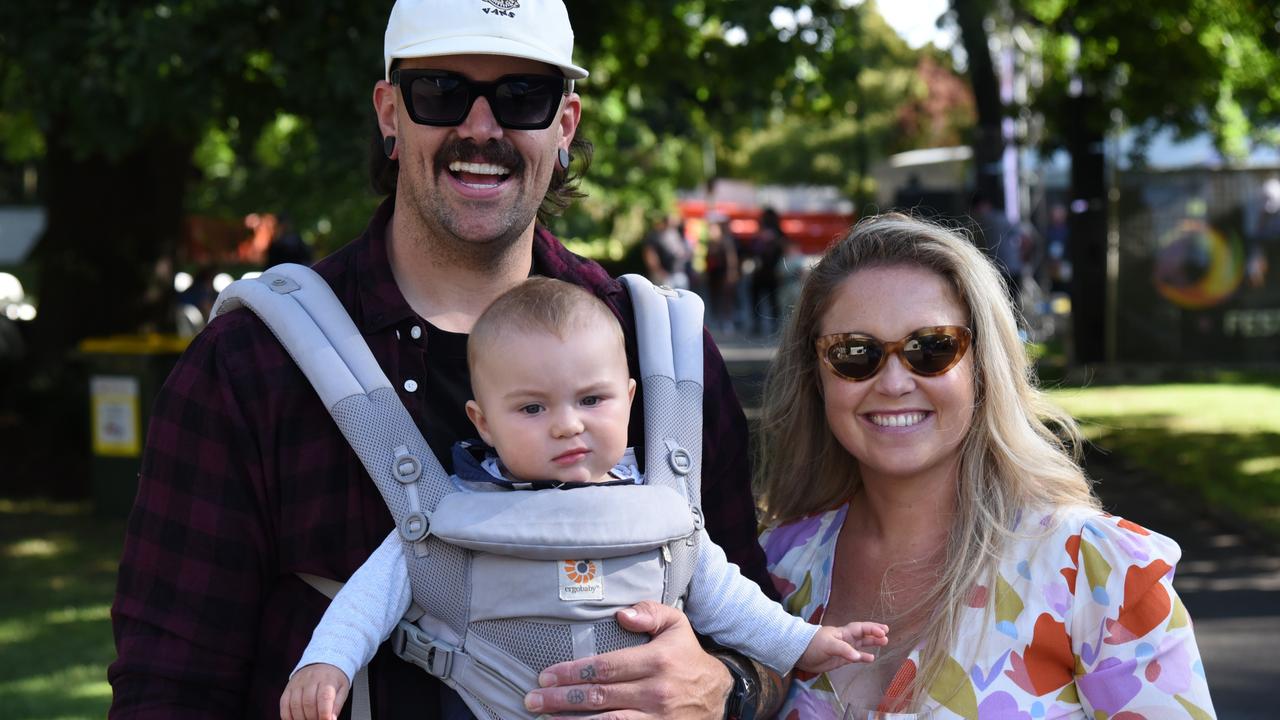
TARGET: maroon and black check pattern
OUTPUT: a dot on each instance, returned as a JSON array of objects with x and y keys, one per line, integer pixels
[{"x": 246, "y": 481}]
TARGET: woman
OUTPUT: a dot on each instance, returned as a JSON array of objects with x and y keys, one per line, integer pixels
[{"x": 913, "y": 475}]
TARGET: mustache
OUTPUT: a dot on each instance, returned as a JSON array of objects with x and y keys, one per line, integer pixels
[{"x": 493, "y": 152}]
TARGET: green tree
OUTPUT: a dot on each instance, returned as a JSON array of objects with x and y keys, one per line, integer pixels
[
  {"x": 859, "y": 94},
  {"x": 1190, "y": 65},
  {"x": 144, "y": 112}
]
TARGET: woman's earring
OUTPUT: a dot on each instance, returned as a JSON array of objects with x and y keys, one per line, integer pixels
[
  {"x": 389, "y": 145},
  {"x": 564, "y": 159}
]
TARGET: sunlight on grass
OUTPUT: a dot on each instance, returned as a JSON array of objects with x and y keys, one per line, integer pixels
[
  {"x": 1218, "y": 440},
  {"x": 76, "y": 691},
  {"x": 33, "y": 548},
  {"x": 58, "y": 563},
  {"x": 1260, "y": 466}
]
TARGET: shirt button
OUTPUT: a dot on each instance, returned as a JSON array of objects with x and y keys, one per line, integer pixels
[
  {"x": 415, "y": 332},
  {"x": 411, "y": 385}
]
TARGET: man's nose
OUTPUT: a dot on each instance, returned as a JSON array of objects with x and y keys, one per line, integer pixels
[{"x": 480, "y": 124}]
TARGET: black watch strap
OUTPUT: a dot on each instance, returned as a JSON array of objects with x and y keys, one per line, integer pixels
[{"x": 745, "y": 693}]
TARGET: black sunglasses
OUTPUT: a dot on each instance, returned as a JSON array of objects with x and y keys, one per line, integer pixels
[
  {"x": 444, "y": 99},
  {"x": 928, "y": 351}
]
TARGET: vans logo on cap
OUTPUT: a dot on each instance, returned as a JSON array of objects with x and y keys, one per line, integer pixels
[
  {"x": 580, "y": 580},
  {"x": 504, "y": 7}
]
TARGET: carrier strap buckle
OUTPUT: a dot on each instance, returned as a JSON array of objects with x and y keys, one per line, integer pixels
[{"x": 414, "y": 646}]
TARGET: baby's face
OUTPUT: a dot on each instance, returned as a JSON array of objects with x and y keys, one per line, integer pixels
[{"x": 555, "y": 409}]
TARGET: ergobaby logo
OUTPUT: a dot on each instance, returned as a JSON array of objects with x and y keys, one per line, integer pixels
[
  {"x": 502, "y": 7},
  {"x": 580, "y": 580}
]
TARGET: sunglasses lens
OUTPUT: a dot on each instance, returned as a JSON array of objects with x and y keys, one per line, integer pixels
[
  {"x": 855, "y": 358},
  {"x": 440, "y": 98},
  {"x": 931, "y": 353},
  {"x": 528, "y": 101}
]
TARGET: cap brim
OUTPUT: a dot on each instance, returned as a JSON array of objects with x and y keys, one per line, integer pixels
[{"x": 484, "y": 45}]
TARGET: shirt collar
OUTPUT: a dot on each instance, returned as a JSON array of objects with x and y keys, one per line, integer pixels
[{"x": 381, "y": 302}]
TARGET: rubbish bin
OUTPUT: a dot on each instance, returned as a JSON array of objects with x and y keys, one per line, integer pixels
[{"x": 125, "y": 373}]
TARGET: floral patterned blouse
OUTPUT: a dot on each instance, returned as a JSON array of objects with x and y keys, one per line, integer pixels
[{"x": 1086, "y": 624}]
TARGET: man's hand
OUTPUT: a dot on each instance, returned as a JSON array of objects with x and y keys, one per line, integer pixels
[
  {"x": 316, "y": 692},
  {"x": 670, "y": 677}
]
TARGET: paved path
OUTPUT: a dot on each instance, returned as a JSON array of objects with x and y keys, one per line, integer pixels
[{"x": 1229, "y": 582}]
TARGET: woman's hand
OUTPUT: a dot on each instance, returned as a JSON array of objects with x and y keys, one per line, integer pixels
[{"x": 670, "y": 677}]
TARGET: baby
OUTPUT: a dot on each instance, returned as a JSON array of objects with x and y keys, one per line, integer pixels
[{"x": 553, "y": 398}]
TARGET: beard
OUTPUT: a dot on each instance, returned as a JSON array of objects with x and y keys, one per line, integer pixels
[{"x": 480, "y": 236}]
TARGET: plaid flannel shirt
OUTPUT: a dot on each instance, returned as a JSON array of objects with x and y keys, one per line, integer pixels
[{"x": 247, "y": 481}]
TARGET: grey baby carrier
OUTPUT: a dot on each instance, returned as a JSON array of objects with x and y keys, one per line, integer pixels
[{"x": 508, "y": 583}]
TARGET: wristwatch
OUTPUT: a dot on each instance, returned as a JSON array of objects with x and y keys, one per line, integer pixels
[{"x": 745, "y": 693}]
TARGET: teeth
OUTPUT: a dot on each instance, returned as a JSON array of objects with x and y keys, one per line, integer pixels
[
  {"x": 897, "y": 420},
  {"x": 478, "y": 168}
]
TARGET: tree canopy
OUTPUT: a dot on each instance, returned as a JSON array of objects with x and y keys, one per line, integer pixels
[{"x": 138, "y": 114}]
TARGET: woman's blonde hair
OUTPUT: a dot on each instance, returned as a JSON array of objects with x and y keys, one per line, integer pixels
[{"x": 1020, "y": 451}]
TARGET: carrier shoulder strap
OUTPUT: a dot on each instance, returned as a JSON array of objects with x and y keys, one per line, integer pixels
[
  {"x": 300, "y": 309},
  {"x": 669, "y": 340}
]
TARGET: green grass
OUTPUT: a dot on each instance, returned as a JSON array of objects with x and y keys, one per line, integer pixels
[
  {"x": 59, "y": 566},
  {"x": 1221, "y": 441}
]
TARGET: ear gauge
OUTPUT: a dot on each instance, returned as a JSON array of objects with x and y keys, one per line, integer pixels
[
  {"x": 389, "y": 145},
  {"x": 564, "y": 159}
]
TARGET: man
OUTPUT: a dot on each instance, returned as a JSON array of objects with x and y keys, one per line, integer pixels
[
  {"x": 1000, "y": 240},
  {"x": 666, "y": 255},
  {"x": 246, "y": 482}
]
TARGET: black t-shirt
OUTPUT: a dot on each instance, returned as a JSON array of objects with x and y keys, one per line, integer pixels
[{"x": 446, "y": 388}]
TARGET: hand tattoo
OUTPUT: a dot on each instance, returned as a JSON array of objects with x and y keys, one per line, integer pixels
[
  {"x": 588, "y": 673},
  {"x": 577, "y": 696}
]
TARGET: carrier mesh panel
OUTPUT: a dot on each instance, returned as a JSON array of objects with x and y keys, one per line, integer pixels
[
  {"x": 672, "y": 409},
  {"x": 493, "y": 714},
  {"x": 441, "y": 582},
  {"x": 611, "y": 636},
  {"x": 535, "y": 644},
  {"x": 375, "y": 425}
]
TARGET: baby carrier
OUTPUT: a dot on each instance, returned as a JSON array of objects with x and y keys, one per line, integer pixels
[{"x": 508, "y": 583}]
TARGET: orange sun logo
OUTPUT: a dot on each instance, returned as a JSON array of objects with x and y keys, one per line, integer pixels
[{"x": 580, "y": 571}]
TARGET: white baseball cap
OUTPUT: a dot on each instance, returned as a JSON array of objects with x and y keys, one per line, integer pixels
[{"x": 533, "y": 29}]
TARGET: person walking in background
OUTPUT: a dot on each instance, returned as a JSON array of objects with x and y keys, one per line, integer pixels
[
  {"x": 1000, "y": 240},
  {"x": 767, "y": 249},
  {"x": 287, "y": 246},
  {"x": 1058, "y": 250},
  {"x": 721, "y": 273},
  {"x": 667, "y": 255}
]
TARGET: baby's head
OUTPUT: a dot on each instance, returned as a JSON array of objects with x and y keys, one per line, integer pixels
[{"x": 552, "y": 388}]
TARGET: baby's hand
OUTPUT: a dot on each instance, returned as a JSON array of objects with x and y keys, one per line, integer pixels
[
  {"x": 832, "y": 647},
  {"x": 316, "y": 692}
]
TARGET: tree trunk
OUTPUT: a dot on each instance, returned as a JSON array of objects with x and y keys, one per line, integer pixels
[
  {"x": 1087, "y": 227},
  {"x": 104, "y": 265},
  {"x": 988, "y": 141}
]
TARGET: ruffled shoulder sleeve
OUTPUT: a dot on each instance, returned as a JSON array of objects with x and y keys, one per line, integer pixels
[
  {"x": 1130, "y": 634},
  {"x": 799, "y": 554}
]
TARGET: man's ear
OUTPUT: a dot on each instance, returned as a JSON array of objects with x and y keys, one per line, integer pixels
[
  {"x": 570, "y": 114},
  {"x": 385, "y": 105},
  {"x": 476, "y": 415}
]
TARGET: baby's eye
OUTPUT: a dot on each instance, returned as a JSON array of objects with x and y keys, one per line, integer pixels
[
  {"x": 531, "y": 409},
  {"x": 592, "y": 400}
]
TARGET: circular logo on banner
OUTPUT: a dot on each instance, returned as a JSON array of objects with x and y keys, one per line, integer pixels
[
  {"x": 504, "y": 4},
  {"x": 1197, "y": 267}
]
